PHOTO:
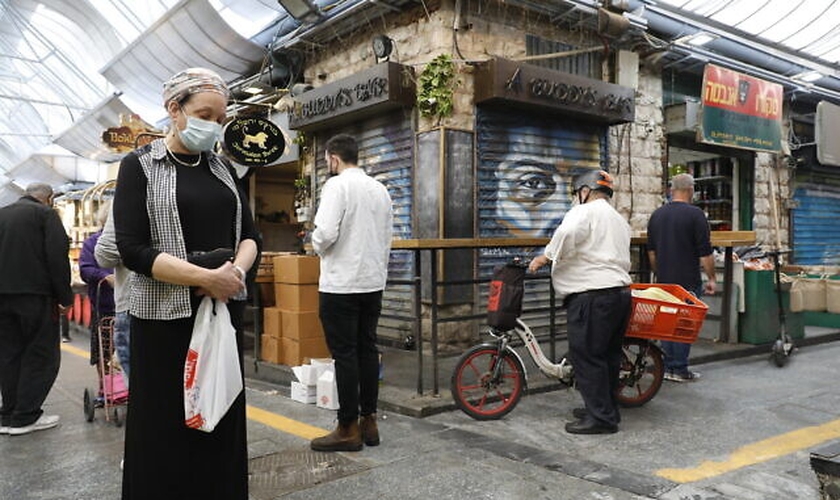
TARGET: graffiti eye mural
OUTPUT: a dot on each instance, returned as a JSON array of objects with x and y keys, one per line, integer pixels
[
  {"x": 531, "y": 184},
  {"x": 523, "y": 171}
]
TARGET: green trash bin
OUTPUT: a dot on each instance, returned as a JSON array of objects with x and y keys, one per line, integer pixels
[{"x": 759, "y": 323}]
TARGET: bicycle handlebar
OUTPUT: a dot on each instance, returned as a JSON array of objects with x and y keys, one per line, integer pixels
[{"x": 518, "y": 262}]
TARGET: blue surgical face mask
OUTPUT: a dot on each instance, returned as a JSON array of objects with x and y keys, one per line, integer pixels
[{"x": 199, "y": 135}]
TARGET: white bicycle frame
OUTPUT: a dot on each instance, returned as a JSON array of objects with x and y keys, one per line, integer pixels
[{"x": 560, "y": 371}]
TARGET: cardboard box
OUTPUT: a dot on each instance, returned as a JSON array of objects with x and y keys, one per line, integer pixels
[
  {"x": 266, "y": 291},
  {"x": 303, "y": 393},
  {"x": 296, "y": 352},
  {"x": 300, "y": 298},
  {"x": 272, "y": 322},
  {"x": 271, "y": 349},
  {"x": 301, "y": 325},
  {"x": 297, "y": 269},
  {"x": 327, "y": 391}
]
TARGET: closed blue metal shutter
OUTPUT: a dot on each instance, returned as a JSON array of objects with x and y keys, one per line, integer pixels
[
  {"x": 525, "y": 164},
  {"x": 386, "y": 152},
  {"x": 816, "y": 235}
]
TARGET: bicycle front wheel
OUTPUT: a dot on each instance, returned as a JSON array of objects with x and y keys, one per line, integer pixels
[
  {"x": 641, "y": 374},
  {"x": 483, "y": 392}
]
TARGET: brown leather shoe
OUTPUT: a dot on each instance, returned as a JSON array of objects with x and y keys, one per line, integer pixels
[
  {"x": 370, "y": 431},
  {"x": 345, "y": 437}
]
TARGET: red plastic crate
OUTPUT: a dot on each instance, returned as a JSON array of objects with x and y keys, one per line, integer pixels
[{"x": 660, "y": 320}]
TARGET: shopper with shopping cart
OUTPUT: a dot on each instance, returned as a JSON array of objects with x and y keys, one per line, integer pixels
[
  {"x": 107, "y": 255},
  {"x": 100, "y": 286},
  {"x": 590, "y": 257}
]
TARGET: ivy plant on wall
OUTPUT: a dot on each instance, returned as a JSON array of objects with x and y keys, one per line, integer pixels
[{"x": 435, "y": 87}]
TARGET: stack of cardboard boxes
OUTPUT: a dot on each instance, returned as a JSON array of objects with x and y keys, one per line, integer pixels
[{"x": 292, "y": 330}]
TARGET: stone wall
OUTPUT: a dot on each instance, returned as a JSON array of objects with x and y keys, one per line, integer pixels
[
  {"x": 771, "y": 228},
  {"x": 637, "y": 154}
]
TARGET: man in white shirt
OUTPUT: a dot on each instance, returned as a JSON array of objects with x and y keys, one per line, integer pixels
[
  {"x": 353, "y": 238},
  {"x": 590, "y": 256}
]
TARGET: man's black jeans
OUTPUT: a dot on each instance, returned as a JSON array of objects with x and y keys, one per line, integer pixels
[
  {"x": 29, "y": 356},
  {"x": 349, "y": 322}
]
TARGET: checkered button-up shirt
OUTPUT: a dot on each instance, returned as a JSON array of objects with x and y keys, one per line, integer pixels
[{"x": 151, "y": 298}]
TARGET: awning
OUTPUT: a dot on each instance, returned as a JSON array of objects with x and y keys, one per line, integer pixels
[
  {"x": 191, "y": 34},
  {"x": 85, "y": 136}
]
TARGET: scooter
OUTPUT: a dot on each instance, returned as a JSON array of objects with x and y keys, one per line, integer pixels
[{"x": 783, "y": 347}]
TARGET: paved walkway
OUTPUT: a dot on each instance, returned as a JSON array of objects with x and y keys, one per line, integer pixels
[{"x": 398, "y": 392}]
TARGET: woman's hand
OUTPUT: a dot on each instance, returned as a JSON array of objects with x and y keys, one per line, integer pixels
[{"x": 222, "y": 283}]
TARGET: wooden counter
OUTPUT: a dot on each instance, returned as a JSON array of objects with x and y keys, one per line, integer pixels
[
  {"x": 719, "y": 239},
  {"x": 446, "y": 243}
]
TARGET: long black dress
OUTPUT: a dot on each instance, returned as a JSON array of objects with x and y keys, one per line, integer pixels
[{"x": 164, "y": 458}]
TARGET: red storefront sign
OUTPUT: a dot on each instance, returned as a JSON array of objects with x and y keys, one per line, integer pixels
[{"x": 740, "y": 110}]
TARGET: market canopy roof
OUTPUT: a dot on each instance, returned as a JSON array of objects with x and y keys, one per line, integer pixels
[
  {"x": 810, "y": 27},
  {"x": 61, "y": 60}
]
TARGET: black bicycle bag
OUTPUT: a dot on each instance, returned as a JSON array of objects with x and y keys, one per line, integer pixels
[{"x": 504, "y": 300}]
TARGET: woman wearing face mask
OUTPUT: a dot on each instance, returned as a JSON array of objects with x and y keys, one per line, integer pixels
[{"x": 175, "y": 199}]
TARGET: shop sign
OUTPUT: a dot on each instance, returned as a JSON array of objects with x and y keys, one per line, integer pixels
[
  {"x": 132, "y": 133},
  {"x": 253, "y": 141},
  {"x": 740, "y": 111},
  {"x": 377, "y": 89},
  {"x": 510, "y": 82}
]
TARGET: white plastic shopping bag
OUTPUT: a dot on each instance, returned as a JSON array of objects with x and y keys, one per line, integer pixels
[{"x": 212, "y": 377}]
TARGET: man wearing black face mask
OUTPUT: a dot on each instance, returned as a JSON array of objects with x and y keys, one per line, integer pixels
[
  {"x": 353, "y": 238},
  {"x": 590, "y": 256}
]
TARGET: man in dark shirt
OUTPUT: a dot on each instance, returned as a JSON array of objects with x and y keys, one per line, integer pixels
[
  {"x": 34, "y": 291},
  {"x": 678, "y": 244}
]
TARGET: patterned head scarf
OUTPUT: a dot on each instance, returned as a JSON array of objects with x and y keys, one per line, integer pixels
[{"x": 192, "y": 81}]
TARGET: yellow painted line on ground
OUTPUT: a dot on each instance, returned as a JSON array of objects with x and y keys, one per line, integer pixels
[
  {"x": 75, "y": 350},
  {"x": 284, "y": 424},
  {"x": 264, "y": 417},
  {"x": 755, "y": 453}
]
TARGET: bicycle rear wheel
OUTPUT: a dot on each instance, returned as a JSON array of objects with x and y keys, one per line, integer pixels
[
  {"x": 641, "y": 373},
  {"x": 480, "y": 394}
]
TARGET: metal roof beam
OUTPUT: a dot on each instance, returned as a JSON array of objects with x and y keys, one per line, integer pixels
[{"x": 42, "y": 101}]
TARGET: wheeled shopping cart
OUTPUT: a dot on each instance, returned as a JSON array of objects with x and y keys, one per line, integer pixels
[{"x": 112, "y": 395}]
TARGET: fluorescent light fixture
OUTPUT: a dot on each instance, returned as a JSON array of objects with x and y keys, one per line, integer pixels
[
  {"x": 808, "y": 76},
  {"x": 302, "y": 10},
  {"x": 256, "y": 87},
  {"x": 697, "y": 39}
]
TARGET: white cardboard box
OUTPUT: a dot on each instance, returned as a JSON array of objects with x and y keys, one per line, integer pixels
[
  {"x": 303, "y": 393},
  {"x": 320, "y": 365},
  {"x": 327, "y": 392},
  {"x": 306, "y": 374}
]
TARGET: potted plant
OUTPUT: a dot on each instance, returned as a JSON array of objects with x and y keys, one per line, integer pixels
[{"x": 302, "y": 195}]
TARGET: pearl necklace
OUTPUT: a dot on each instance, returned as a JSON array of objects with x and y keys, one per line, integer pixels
[{"x": 181, "y": 162}]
